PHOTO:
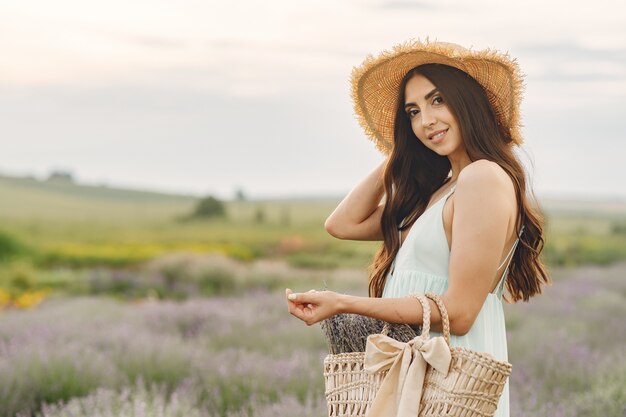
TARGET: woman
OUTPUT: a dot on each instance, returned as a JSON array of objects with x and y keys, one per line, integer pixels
[{"x": 456, "y": 209}]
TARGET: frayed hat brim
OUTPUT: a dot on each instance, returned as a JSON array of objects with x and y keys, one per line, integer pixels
[{"x": 375, "y": 84}]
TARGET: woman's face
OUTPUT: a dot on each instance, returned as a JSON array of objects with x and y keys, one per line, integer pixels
[{"x": 431, "y": 119}]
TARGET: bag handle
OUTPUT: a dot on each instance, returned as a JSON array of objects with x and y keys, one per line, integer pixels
[
  {"x": 445, "y": 321},
  {"x": 426, "y": 316}
]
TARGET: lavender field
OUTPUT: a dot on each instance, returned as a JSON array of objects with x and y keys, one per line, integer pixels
[{"x": 244, "y": 355}]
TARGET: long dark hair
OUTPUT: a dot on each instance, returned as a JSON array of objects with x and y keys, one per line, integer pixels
[{"x": 414, "y": 172}]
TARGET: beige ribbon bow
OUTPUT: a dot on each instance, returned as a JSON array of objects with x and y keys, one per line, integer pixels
[{"x": 401, "y": 390}]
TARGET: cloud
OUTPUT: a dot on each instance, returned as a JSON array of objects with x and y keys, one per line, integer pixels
[{"x": 573, "y": 62}]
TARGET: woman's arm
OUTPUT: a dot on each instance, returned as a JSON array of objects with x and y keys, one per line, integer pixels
[
  {"x": 358, "y": 215},
  {"x": 484, "y": 211},
  {"x": 314, "y": 306}
]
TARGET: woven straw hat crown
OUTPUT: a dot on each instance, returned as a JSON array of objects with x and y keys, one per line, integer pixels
[{"x": 376, "y": 83}]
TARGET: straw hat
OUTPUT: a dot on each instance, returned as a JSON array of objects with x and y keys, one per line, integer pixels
[{"x": 376, "y": 81}]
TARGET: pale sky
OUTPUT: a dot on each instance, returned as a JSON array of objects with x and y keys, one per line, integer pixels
[{"x": 204, "y": 97}]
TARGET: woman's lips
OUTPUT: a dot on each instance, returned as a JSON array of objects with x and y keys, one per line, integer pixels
[{"x": 438, "y": 136}]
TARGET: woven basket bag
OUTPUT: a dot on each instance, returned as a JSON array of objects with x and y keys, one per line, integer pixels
[{"x": 472, "y": 387}]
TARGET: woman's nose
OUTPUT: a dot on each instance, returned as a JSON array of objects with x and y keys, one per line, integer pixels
[{"x": 428, "y": 119}]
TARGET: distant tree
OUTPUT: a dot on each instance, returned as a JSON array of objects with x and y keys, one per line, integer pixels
[
  {"x": 209, "y": 207},
  {"x": 239, "y": 195},
  {"x": 9, "y": 246},
  {"x": 61, "y": 176},
  {"x": 618, "y": 228}
]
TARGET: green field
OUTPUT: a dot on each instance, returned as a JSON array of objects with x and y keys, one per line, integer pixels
[{"x": 64, "y": 224}]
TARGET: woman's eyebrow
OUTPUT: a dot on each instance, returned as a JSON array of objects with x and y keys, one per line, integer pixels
[
  {"x": 426, "y": 97},
  {"x": 429, "y": 95}
]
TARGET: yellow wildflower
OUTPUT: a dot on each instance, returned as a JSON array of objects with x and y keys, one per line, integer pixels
[{"x": 29, "y": 299}]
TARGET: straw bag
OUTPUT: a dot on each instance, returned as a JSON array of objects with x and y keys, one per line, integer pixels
[{"x": 390, "y": 377}]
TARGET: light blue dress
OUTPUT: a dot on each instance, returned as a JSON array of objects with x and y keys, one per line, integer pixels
[{"x": 421, "y": 265}]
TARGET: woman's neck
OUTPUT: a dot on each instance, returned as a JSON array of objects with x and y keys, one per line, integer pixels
[{"x": 457, "y": 163}]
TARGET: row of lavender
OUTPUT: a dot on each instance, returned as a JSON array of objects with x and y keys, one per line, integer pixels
[{"x": 245, "y": 356}]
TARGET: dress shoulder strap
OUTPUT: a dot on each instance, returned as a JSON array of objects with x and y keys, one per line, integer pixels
[{"x": 509, "y": 256}]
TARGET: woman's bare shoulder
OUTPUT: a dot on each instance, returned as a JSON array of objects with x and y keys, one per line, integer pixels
[{"x": 486, "y": 176}]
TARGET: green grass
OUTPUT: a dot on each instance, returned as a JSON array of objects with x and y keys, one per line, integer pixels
[{"x": 80, "y": 226}]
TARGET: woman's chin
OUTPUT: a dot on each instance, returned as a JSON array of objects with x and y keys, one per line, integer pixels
[{"x": 441, "y": 152}]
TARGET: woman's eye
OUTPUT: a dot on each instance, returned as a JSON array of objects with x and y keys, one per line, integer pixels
[
  {"x": 412, "y": 113},
  {"x": 438, "y": 100}
]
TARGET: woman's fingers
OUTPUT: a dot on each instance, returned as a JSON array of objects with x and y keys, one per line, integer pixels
[
  {"x": 300, "y": 298},
  {"x": 311, "y": 297},
  {"x": 300, "y": 305},
  {"x": 311, "y": 305},
  {"x": 292, "y": 302}
]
